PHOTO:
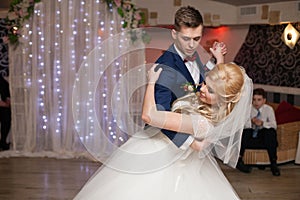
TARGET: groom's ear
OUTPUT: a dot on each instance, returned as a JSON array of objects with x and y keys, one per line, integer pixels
[{"x": 174, "y": 34}]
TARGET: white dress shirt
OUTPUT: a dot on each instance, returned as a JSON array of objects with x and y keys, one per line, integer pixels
[
  {"x": 195, "y": 72},
  {"x": 191, "y": 66},
  {"x": 267, "y": 115}
]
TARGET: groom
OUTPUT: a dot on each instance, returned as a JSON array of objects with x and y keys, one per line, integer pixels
[{"x": 182, "y": 65}]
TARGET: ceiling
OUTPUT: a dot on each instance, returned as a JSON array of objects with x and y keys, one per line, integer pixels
[
  {"x": 4, "y": 4},
  {"x": 248, "y": 2}
]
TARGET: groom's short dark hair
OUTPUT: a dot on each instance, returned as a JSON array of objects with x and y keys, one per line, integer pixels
[{"x": 187, "y": 16}]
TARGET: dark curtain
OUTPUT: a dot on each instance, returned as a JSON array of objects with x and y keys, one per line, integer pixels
[{"x": 3, "y": 49}]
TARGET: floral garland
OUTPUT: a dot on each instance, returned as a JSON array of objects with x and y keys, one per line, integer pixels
[
  {"x": 132, "y": 18},
  {"x": 21, "y": 10}
]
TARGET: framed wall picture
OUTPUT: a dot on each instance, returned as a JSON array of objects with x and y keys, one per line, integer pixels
[{"x": 145, "y": 15}]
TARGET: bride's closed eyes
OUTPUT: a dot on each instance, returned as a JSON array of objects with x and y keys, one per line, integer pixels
[
  {"x": 209, "y": 89},
  {"x": 187, "y": 39},
  {"x": 207, "y": 94}
]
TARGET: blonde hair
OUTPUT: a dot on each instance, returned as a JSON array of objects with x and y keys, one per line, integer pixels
[{"x": 228, "y": 82}]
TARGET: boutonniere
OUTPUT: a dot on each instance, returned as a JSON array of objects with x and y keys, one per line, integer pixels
[{"x": 189, "y": 87}]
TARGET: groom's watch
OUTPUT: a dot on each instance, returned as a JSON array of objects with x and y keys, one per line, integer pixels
[{"x": 211, "y": 63}]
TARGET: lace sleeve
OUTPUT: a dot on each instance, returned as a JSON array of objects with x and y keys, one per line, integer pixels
[{"x": 201, "y": 126}]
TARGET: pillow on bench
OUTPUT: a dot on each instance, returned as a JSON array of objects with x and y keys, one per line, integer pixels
[{"x": 286, "y": 113}]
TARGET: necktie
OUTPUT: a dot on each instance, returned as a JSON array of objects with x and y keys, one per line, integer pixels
[
  {"x": 190, "y": 58},
  {"x": 255, "y": 131}
]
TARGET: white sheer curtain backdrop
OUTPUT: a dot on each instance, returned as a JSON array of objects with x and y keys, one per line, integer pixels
[{"x": 67, "y": 47}]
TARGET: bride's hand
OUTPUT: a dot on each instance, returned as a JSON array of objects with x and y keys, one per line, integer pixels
[
  {"x": 198, "y": 145},
  {"x": 153, "y": 75},
  {"x": 218, "y": 50}
]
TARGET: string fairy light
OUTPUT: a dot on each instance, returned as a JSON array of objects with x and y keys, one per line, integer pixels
[
  {"x": 114, "y": 73},
  {"x": 53, "y": 65}
]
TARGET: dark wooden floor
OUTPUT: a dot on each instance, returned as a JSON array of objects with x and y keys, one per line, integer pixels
[{"x": 53, "y": 179}]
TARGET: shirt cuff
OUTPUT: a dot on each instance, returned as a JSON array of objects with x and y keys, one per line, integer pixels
[
  {"x": 210, "y": 65},
  {"x": 187, "y": 143}
]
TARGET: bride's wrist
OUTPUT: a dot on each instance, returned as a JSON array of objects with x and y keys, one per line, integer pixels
[{"x": 151, "y": 83}]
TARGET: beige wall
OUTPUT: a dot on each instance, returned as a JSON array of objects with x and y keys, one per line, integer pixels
[
  {"x": 228, "y": 14},
  {"x": 233, "y": 36},
  {"x": 166, "y": 10}
]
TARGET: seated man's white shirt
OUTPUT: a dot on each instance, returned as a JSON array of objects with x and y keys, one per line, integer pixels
[{"x": 267, "y": 115}]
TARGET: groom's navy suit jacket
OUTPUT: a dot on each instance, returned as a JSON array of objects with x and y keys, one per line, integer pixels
[{"x": 169, "y": 86}]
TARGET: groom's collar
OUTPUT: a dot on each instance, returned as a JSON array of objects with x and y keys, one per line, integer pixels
[
  {"x": 179, "y": 52},
  {"x": 184, "y": 57}
]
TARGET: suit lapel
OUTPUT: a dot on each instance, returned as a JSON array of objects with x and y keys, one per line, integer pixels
[
  {"x": 181, "y": 66},
  {"x": 184, "y": 71}
]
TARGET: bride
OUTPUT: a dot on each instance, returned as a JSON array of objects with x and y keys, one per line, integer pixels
[{"x": 150, "y": 167}]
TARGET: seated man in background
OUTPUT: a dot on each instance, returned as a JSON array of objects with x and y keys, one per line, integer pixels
[{"x": 260, "y": 132}]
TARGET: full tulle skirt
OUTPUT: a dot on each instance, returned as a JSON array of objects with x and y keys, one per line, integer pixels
[{"x": 161, "y": 171}]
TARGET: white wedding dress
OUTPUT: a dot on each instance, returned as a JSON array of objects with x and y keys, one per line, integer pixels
[{"x": 150, "y": 167}]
